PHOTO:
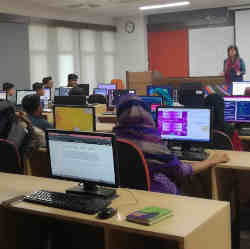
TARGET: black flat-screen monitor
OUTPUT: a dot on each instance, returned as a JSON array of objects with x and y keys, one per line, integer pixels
[
  {"x": 114, "y": 96},
  {"x": 88, "y": 158},
  {"x": 182, "y": 124},
  {"x": 152, "y": 102},
  {"x": 85, "y": 88},
  {"x": 237, "y": 109}
]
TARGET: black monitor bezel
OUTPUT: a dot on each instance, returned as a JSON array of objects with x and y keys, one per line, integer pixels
[
  {"x": 32, "y": 92},
  {"x": 75, "y": 106},
  {"x": 144, "y": 96},
  {"x": 195, "y": 143},
  {"x": 115, "y": 156},
  {"x": 101, "y": 89}
]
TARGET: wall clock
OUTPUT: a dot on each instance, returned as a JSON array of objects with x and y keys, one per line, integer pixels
[{"x": 129, "y": 27}]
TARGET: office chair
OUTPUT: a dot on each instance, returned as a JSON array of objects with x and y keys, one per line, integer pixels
[
  {"x": 222, "y": 141},
  {"x": 133, "y": 168},
  {"x": 247, "y": 91},
  {"x": 10, "y": 156}
]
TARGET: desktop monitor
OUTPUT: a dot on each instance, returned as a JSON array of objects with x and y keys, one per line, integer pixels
[
  {"x": 107, "y": 86},
  {"x": 113, "y": 98},
  {"x": 3, "y": 95},
  {"x": 101, "y": 91},
  {"x": 20, "y": 94},
  {"x": 237, "y": 109},
  {"x": 74, "y": 118},
  {"x": 85, "y": 88},
  {"x": 64, "y": 91},
  {"x": 88, "y": 158},
  {"x": 240, "y": 87},
  {"x": 152, "y": 102},
  {"x": 181, "y": 124},
  {"x": 47, "y": 94},
  {"x": 163, "y": 91}
]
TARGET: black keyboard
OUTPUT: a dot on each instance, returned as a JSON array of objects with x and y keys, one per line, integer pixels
[
  {"x": 191, "y": 156},
  {"x": 87, "y": 205}
]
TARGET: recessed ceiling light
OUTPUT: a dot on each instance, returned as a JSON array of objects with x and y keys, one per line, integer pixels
[{"x": 169, "y": 5}]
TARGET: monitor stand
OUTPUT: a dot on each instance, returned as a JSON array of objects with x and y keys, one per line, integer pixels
[{"x": 91, "y": 189}]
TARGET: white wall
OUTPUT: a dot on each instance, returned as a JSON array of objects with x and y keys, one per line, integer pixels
[
  {"x": 242, "y": 35},
  {"x": 208, "y": 50},
  {"x": 28, "y": 8},
  {"x": 131, "y": 48}
]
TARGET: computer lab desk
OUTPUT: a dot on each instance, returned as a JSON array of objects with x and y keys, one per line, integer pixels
[{"x": 195, "y": 224}]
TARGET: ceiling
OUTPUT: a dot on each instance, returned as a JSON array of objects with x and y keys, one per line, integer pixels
[{"x": 118, "y": 8}]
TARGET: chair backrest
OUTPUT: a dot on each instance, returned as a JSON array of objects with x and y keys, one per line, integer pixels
[
  {"x": 118, "y": 83},
  {"x": 247, "y": 91},
  {"x": 10, "y": 157},
  {"x": 222, "y": 141},
  {"x": 133, "y": 168}
]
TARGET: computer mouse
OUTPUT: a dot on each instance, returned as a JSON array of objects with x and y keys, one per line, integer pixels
[{"x": 107, "y": 213}]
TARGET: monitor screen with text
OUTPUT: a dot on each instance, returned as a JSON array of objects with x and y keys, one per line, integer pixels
[
  {"x": 237, "y": 109},
  {"x": 239, "y": 88},
  {"x": 82, "y": 157},
  {"x": 184, "y": 124}
]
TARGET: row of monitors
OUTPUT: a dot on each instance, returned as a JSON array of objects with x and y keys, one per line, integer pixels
[
  {"x": 20, "y": 94},
  {"x": 174, "y": 123}
]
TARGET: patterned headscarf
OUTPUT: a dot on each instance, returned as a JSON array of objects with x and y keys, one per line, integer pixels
[{"x": 134, "y": 121}]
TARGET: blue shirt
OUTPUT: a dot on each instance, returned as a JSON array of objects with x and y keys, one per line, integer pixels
[{"x": 40, "y": 122}]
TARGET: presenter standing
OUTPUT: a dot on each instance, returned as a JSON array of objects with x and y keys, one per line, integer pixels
[{"x": 234, "y": 67}]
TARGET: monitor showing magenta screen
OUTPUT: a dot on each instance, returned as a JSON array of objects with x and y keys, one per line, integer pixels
[{"x": 184, "y": 124}]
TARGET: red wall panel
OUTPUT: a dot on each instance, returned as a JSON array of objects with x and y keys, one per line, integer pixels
[{"x": 168, "y": 52}]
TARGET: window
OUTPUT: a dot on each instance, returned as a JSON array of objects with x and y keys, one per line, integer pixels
[
  {"x": 88, "y": 57},
  {"x": 108, "y": 45},
  {"x": 60, "y": 51},
  {"x": 67, "y": 46},
  {"x": 38, "y": 43}
]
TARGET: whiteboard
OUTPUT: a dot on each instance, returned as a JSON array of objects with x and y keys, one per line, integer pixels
[
  {"x": 242, "y": 35},
  {"x": 208, "y": 50}
]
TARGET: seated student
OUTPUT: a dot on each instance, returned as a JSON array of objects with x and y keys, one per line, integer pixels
[
  {"x": 72, "y": 80},
  {"x": 217, "y": 103},
  {"x": 10, "y": 89},
  {"x": 76, "y": 91},
  {"x": 38, "y": 87},
  {"x": 166, "y": 171},
  {"x": 48, "y": 82},
  {"x": 31, "y": 105}
]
